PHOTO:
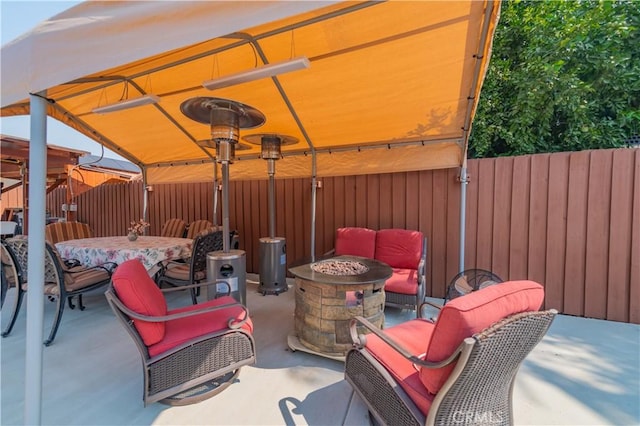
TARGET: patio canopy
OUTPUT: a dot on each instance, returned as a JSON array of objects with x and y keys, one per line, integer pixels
[{"x": 392, "y": 86}]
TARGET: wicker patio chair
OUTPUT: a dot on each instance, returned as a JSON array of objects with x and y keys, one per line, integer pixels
[
  {"x": 462, "y": 371},
  {"x": 198, "y": 226},
  {"x": 195, "y": 270},
  {"x": 405, "y": 251},
  {"x": 173, "y": 228},
  {"x": 188, "y": 354},
  {"x": 61, "y": 282}
]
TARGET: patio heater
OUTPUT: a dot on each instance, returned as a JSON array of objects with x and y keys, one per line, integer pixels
[
  {"x": 226, "y": 118},
  {"x": 273, "y": 250}
]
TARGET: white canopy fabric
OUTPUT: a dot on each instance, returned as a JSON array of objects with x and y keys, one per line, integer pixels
[{"x": 392, "y": 86}]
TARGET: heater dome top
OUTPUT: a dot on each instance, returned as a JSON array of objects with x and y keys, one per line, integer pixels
[
  {"x": 210, "y": 143},
  {"x": 256, "y": 139},
  {"x": 202, "y": 109}
]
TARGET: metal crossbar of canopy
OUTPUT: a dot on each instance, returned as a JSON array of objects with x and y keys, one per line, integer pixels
[{"x": 391, "y": 86}]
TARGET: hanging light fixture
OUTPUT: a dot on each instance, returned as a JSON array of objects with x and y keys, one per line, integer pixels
[{"x": 269, "y": 70}]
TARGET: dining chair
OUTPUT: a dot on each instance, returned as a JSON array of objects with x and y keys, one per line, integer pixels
[
  {"x": 190, "y": 353},
  {"x": 459, "y": 369},
  {"x": 174, "y": 228},
  {"x": 61, "y": 283},
  {"x": 198, "y": 226},
  {"x": 7, "y": 228},
  {"x": 195, "y": 270},
  {"x": 63, "y": 231}
]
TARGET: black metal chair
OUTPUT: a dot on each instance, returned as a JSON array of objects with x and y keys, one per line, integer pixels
[
  {"x": 61, "y": 283},
  {"x": 195, "y": 270}
]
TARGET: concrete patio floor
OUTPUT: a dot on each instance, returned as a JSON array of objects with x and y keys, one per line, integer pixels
[{"x": 584, "y": 372}]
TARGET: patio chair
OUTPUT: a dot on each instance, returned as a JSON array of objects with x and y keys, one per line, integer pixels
[
  {"x": 63, "y": 231},
  {"x": 9, "y": 271},
  {"x": 404, "y": 250},
  {"x": 195, "y": 270},
  {"x": 7, "y": 228},
  {"x": 174, "y": 228},
  {"x": 198, "y": 226},
  {"x": 188, "y": 354},
  {"x": 458, "y": 370},
  {"x": 61, "y": 282}
]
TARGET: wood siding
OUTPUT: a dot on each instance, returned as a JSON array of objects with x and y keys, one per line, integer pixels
[{"x": 565, "y": 220}]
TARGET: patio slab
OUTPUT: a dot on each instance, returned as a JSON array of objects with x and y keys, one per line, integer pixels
[{"x": 583, "y": 372}]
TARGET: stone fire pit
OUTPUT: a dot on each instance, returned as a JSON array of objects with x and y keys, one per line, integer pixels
[{"x": 330, "y": 293}]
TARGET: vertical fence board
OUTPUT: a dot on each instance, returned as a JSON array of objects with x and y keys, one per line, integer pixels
[
  {"x": 373, "y": 201},
  {"x": 439, "y": 233},
  {"x": 412, "y": 201},
  {"x": 598, "y": 219},
  {"x": 556, "y": 234},
  {"x": 453, "y": 224},
  {"x": 502, "y": 191},
  {"x": 620, "y": 237},
  {"x": 538, "y": 218},
  {"x": 471, "y": 223},
  {"x": 484, "y": 243},
  {"x": 519, "y": 232},
  {"x": 634, "y": 276},
  {"x": 425, "y": 223},
  {"x": 386, "y": 201}
]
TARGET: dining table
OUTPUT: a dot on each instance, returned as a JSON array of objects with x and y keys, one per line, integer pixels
[{"x": 152, "y": 251}]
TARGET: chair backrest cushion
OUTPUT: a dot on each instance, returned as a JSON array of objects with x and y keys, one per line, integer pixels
[
  {"x": 198, "y": 227},
  {"x": 63, "y": 231},
  {"x": 355, "y": 242},
  {"x": 138, "y": 292},
  {"x": 399, "y": 248},
  {"x": 174, "y": 228},
  {"x": 465, "y": 316}
]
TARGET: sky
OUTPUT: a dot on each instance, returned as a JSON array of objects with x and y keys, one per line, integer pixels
[{"x": 16, "y": 18}]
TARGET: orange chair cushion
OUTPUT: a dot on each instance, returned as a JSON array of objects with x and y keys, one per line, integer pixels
[
  {"x": 464, "y": 316},
  {"x": 183, "y": 330},
  {"x": 356, "y": 242},
  {"x": 411, "y": 335},
  {"x": 138, "y": 292},
  {"x": 399, "y": 248},
  {"x": 403, "y": 281}
]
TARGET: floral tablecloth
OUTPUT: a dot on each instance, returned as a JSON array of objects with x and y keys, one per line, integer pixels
[{"x": 151, "y": 251}]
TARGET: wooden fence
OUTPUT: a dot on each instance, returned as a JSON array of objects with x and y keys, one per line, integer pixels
[{"x": 569, "y": 220}]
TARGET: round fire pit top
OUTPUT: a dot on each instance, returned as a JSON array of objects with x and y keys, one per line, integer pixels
[
  {"x": 362, "y": 270},
  {"x": 339, "y": 267}
]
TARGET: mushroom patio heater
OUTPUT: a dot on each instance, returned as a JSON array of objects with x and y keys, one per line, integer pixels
[
  {"x": 273, "y": 250},
  {"x": 226, "y": 118}
]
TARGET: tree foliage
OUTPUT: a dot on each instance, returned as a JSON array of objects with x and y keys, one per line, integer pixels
[{"x": 563, "y": 76}]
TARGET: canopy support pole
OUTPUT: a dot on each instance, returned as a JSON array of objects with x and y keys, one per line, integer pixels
[
  {"x": 314, "y": 192},
  {"x": 145, "y": 197},
  {"x": 35, "y": 258},
  {"x": 463, "y": 213}
]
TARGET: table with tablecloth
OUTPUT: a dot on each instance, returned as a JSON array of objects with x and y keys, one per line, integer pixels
[{"x": 151, "y": 251}]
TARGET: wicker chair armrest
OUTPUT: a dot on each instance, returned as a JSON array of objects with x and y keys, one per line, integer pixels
[
  {"x": 360, "y": 340},
  {"x": 163, "y": 318}
]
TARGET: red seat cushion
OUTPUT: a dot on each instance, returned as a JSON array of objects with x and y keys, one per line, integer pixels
[
  {"x": 403, "y": 281},
  {"x": 464, "y": 316},
  {"x": 356, "y": 242},
  {"x": 183, "y": 330},
  {"x": 413, "y": 336},
  {"x": 139, "y": 293},
  {"x": 399, "y": 248}
]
